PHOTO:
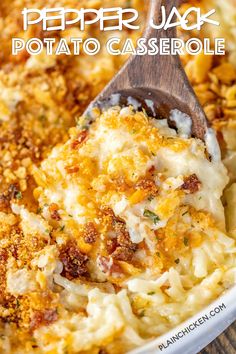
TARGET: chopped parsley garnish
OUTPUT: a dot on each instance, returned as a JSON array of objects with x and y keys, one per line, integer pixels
[
  {"x": 149, "y": 214},
  {"x": 62, "y": 228},
  {"x": 42, "y": 117},
  {"x": 151, "y": 197},
  {"x": 84, "y": 127},
  {"x": 82, "y": 124},
  {"x": 186, "y": 240},
  {"x": 185, "y": 213},
  {"x": 18, "y": 195},
  {"x": 151, "y": 293},
  {"x": 142, "y": 313},
  {"x": 177, "y": 261}
]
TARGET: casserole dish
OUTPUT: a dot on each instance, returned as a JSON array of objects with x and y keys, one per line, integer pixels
[{"x": 194, "y": 341}]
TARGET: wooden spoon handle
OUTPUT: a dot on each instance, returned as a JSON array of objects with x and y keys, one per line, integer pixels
[{"x": 160, "y": 78}]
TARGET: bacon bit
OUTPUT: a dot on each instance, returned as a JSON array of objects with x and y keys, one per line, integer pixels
[
  {"x": 108, "y": 211},
  {"x": 123, "y": 254},
  {"x": 90, "y": 233},
  {"x": 74, "y": 261},
  {"x": 82, "y": 137},
  {"x": 148, "y": 185},
  {"x": 55, "y": 215},
  {"x": 152, "y": 170},
  {"x": 107, "y": 265},
  {"x": 123, "y": 238},
  {"x": 121, "y": 248},
  {"x": 111, "y": 245},
  {"x": 191, "y": 184},
  {"x": 53, "y": 208},
  {"x": 72, "y": 169},
  {"x": 104, "y": 263},
  {"x": 43, "y": 318}
]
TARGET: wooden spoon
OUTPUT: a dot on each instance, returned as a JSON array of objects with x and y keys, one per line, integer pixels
[{"x": 158, "y": 79}]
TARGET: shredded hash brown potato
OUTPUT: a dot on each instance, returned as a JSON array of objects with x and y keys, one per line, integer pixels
[
  {"x": 129, "y": 230},
  {"x": 109, "y": 233}
]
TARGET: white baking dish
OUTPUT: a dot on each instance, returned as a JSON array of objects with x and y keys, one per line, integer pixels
[{"x": 200, "y": 333}]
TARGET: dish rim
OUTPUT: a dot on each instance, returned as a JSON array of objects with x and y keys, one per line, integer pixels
[{"x": 201, "y": 336}]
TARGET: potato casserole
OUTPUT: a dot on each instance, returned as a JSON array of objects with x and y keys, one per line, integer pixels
[{"x": 109, "y": 231}]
